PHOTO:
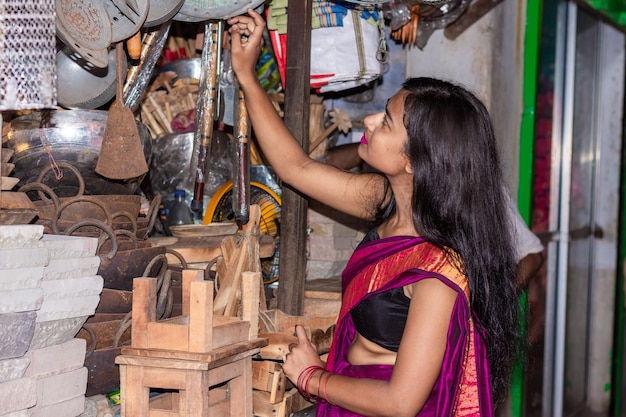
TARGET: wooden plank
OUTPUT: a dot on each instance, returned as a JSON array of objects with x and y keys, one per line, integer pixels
[
  {"x": 201, "y": 315},
  {"x": 213, "y": 358},
  {"x": 277, "y": 389},
  {"x": 261, "y": 405},
  {"x": 201, "y": 251},
  {"x": 251, "y": 298},
  {"x": 294, "y": 208},
  {"x": 263, "y": 374},
  {"x": 292, "y": 402},
  {"x": 144, "y": 310},
  {"x": 168, "y": 336},
  {"x": 230, "y": 332}
]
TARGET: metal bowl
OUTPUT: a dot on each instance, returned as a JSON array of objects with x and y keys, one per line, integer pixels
[
  {"x": 74, "y": 136},
  {"x": 184, "y": 68}
]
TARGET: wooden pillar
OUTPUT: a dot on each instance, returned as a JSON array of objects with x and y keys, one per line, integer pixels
[{"x": 294, "y": 207}]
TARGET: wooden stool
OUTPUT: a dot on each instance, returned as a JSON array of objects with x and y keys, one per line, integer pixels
[
  {"x": 191, "y": 353},
  {"x": 193, "y": 375}
]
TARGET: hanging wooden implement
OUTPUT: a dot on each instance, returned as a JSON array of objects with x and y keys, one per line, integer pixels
[
  {"x": 205, "y": 109},
  {"x": 241, "y": 171}
]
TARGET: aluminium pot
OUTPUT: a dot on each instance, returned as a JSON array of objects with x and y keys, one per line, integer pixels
[{"x": 74, "y": 136}]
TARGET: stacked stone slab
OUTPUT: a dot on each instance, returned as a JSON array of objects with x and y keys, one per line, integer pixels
[{"x": 48, "y": 289}]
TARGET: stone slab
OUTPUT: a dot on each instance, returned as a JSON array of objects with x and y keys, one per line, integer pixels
[
  {"x": 20, "y": 236},
  {"x": 18, "y": 394},
  {"x": 56, "y": 359},
  {"x": 21, "y": 278},
  {"x": 13, "y": 368},
  {"x": 23, "y": 258},
  {"x": 56, "y": 332},
  {"x": 72, "y": 268},
  {"x": 67, "y": 307},
  {"x": 68, "y": 247},
  {"x": 16, "y": 333},
  {"x": 72, "y": 287},
  {"x": 16, "y": 301},
  {"x": 55, "y": 389},
  {"x": 69, "y": 408}
]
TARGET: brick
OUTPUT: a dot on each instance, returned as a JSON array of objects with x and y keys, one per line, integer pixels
[
  {"x": 20, "y": 278},
  {"x": 56, "y": 359},
  {"x": 17, "y": 394},
  {"x": 72, "y": 287},
  {"x": 54, "y": 389},
  {"x": 67, "y": 307},
  {"x": 21, "y": 300},
  {"x": 322, "y": 229},
  {"x": 56, "y": 332},
  {"x": 13, "y": 368},
  {"x": 345, "y": 243},
  {"x": 69, "y": 408},
  {"x": 20, "y": 236},
  {"x": 72, "y": 268},
  {"x": 68, "y": 247},
  {"x": 16, "y": 333},
  {"x": 23, "y": 258},
  {"x": 19, "y": 413},
  {"x": 344, "y": 231}
]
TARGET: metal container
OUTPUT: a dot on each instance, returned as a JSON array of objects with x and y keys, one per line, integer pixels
[
  {"x": 74, "y": 136},
  {"x": 184, "y": 68}
]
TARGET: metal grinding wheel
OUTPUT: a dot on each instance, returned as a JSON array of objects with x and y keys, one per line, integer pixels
[
  {"x": 214, "y": 9},
  {"x": 126, "y": 24},
  {"x": 86, "y": 28},
  {"x": 82, "y": 87}
]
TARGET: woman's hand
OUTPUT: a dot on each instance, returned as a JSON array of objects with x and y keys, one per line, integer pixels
[
  {"x": 301, "y": 356},
  {"x": 246, "y": 44}
]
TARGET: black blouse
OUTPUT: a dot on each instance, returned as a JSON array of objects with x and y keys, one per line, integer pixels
[{"x": 381, "y": 317}]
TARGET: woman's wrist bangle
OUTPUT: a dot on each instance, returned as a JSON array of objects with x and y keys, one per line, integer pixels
[
  {"x": 323, "y": 384},
  {"x": 304, "y": 380}
]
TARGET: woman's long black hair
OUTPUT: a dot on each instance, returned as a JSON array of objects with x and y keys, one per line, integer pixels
[{"x": 459, "y": 204}]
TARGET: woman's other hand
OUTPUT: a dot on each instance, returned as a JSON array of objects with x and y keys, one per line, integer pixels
[
  {"x": 301, "y": 356},
  {"x": 246, "y": 43}
]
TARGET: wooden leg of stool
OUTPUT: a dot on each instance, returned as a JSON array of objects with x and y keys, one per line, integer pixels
[
  {"x": 194, "y": 399},
  {"x": 241, "y": 391},
  {"x": 122, "y": 390},
  {"x": 136, "y": 397}
]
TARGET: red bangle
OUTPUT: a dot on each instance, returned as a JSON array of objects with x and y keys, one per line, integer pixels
[
  {"x": 323, "y": 384},
  {"x": 305, "y": 378}
]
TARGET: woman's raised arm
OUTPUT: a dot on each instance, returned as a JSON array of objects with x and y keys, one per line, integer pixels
[{"x": 354, "y": 194}]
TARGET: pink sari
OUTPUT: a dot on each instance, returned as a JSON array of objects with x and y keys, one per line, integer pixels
[{"x": 462, "y": 388}]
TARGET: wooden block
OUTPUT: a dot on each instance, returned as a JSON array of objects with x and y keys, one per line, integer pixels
[
  {"x": 229, "y": 330},
  {"x": 207, "y": 249},
  {"x": 15, "y": 199},
  {"x": 251, "y": 282},
  {"x": 144, "y": 310},
  {"x": 292, "y": 402},
  {"x": 167, "y": 336},
  {"x": 201, "y": 315},
  {"x": 278, "y": 345},
  {"x": 262, "y": 374},
  {"x": 268, "y": 376},
  {"x": 262, "y": 407},
  {"x": 284, "y": 322}
]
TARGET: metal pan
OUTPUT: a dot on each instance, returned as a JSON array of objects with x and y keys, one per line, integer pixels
[
  {"x": 125, "y": 25},
  {"x": 81, "y": 86},
  {"x": 216, "y": 9},
  {"x": 85, "y": 27},
  {"x": 162, "y": 11}
]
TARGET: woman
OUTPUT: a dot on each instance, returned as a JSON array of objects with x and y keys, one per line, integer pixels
[{"x": 429, "y": 312}]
